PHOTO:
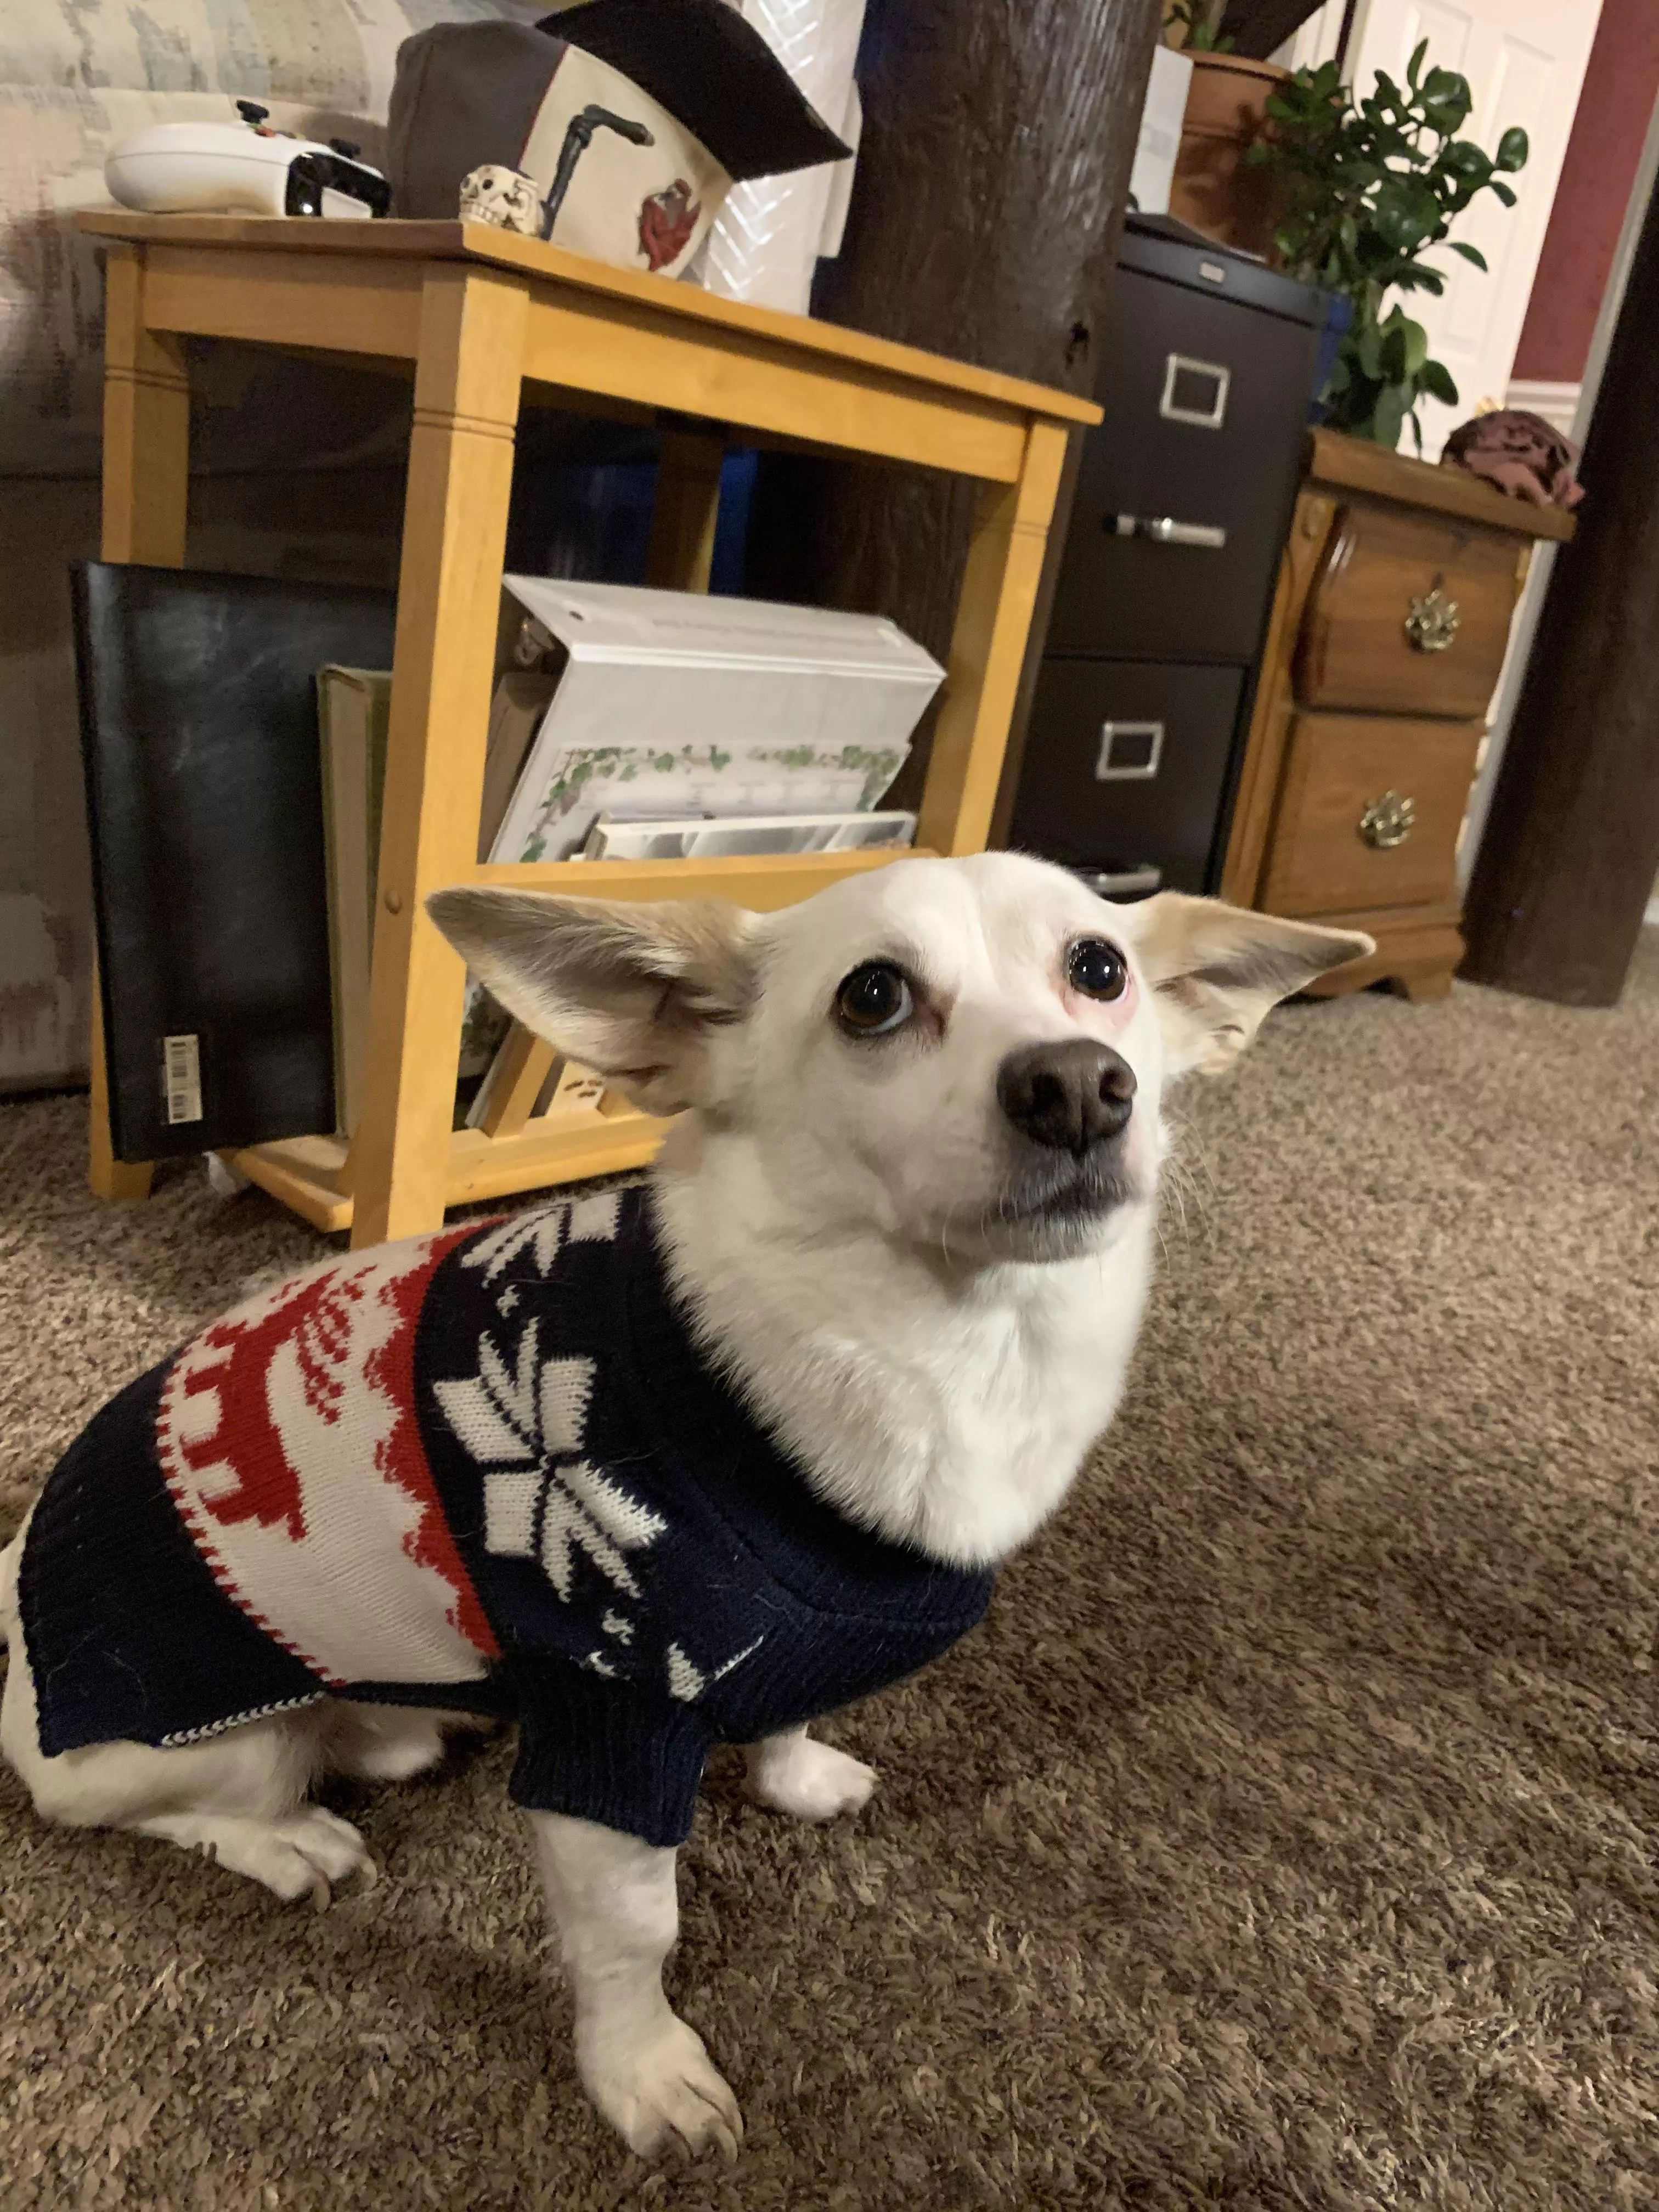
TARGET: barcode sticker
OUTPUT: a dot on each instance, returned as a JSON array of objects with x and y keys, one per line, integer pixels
[{"x": 181, "y": 1078}]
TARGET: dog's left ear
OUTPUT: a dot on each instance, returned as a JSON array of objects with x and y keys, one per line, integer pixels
[
  {"x": 630, "y": 991},
  {"x": 1216, "y": 969}
]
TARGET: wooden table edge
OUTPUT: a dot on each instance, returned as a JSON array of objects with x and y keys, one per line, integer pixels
[
  {"x": 392, "y": 240},
  {"x": 1334, "y": 461}
]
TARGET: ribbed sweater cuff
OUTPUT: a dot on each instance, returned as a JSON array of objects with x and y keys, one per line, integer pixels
[{"x": 600, "y": 1752}]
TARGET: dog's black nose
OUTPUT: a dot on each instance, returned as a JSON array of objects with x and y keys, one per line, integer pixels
[{"x": 1069, "y": 1097}]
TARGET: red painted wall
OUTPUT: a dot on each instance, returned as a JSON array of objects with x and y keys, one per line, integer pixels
[{"x": 1620, "y": 87}]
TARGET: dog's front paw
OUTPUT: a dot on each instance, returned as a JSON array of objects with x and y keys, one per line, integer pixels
[
  {"x": 809, "y": 1781},
  {"x": 302, "y": 1855},
  {"x": 665, "y": 2093}
]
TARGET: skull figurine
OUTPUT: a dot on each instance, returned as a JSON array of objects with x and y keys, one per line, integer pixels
[{"x": 502, "y": 197}]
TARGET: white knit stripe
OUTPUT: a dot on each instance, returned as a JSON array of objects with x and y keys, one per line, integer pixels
[
  {"x": 511, "y": 1498},
  {"x": 241, "y": 1720},
  {"x": 515, "y": 1393},
  {"x": 624, "y": 1517},
  {"x": 737, "y": 1659},
  {"x": 685, "y": 1682},
  {"x": 549, "y": 1231},
  {"x": 594, "y": 1217},
  {"x": 567, "y": 1528},
  {"x": 567, "y": 1385},
  {"x": 619, "y": 1625},
  {"x": 474, "y": 1414},
  {"x": 539, "y": 1233}
]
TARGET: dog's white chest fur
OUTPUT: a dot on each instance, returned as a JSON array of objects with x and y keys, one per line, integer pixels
[{"x": 951, "y": 1410}]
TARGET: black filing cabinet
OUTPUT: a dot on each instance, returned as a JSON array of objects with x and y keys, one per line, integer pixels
[{"x": 1183, "y": 499}]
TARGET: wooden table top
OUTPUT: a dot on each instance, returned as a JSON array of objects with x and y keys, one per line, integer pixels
[{"x": 390, "y": 240}]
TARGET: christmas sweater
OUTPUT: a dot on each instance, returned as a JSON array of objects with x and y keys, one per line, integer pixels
[{"x": 490, "y": 1470}]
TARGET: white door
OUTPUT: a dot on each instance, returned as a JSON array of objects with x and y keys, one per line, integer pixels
[{"x": 1525, "y": 63}]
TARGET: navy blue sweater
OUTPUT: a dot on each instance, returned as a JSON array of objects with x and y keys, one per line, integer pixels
[{"x": 487, "y": 1470}]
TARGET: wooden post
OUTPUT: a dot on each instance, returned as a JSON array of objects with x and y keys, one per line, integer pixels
[
  {"x": 146, "y": 491},
  {"x": 1570, "y": 850},
  {"x": 686, "y": 510},
  {"x": 461, "y": 478},
  {"x": 993, "y": 171},
  {"x": 987, "y": 647}
]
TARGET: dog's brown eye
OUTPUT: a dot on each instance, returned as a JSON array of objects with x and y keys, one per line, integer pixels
[
  {"x": 1096, "y": 967},
  {"x": 873, "y": 999}
]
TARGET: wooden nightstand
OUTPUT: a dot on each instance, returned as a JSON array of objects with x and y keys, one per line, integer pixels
[{"x": 1389, "y": 630}]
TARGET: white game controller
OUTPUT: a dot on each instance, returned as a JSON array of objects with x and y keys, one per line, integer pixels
[{"x": 242, "y": 168}]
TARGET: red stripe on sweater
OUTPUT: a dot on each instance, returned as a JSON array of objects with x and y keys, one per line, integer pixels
[{"x": 313, "y": 1315}]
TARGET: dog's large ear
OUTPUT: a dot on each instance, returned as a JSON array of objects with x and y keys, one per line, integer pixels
[
  {"x": 1216, "y": 969},
  {"x": 630, "y": 991}
]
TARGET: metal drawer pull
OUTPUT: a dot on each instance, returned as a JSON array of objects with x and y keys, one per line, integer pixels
[
  {"x": 1387, "y": 821},
  {"x": 1129, "y": 752},
  {"x": 1164, "y": 529},
  {"x": 1431, "y": 621}
]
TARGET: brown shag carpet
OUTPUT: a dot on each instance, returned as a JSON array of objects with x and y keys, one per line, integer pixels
[{"x": 1286, "y": 1838}]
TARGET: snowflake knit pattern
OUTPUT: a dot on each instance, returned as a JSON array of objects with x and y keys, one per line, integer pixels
[{"x": 487, "y": 1470}]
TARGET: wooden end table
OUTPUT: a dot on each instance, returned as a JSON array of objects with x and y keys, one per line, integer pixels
[
  {"x": 1387, "y": 634},
  {"x": 487, "y": 323}
]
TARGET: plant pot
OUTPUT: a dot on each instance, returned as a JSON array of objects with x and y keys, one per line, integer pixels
[{"x": 1214, "y": 189}]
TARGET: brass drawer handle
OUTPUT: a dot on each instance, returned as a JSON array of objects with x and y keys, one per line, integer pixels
[
  {"x": 1431, "y": 621},
  {"x": 1387, "y": 821}
]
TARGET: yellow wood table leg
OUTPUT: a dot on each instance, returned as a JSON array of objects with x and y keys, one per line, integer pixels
[
  {"x": 461, "y": 478},
  {"x": 516, "y": 1083},
  {"x": 987, "y": 647},
  {"x": 685, "y": 512},
  {"x": 146, "y": 425},
  {"x": 146, "y": 488}
]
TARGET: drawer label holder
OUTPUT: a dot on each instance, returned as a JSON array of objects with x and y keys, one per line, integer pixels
[{"x": 1129, "y": 752}]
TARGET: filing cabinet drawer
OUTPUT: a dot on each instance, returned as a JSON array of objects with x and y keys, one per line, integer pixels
[
  {"x": 1126, "y": 765},
  {"x": 1205, "y": 403},
  {"x": 1410, "y": 613},
  {"x": 1369, "y": 813}
]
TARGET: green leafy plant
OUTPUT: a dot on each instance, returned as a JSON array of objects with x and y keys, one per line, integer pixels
[
  {"x": 1201, "y": 20},
  {"x": 1369, "y": 186}
]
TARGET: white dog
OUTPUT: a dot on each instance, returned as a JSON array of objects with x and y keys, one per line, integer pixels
[{"x": 650, "y": 1469}]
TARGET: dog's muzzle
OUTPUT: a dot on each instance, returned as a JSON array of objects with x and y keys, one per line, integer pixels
[
  {"x": 1068, "y": 1104},
  {"x": 1068, "y": 1097}
]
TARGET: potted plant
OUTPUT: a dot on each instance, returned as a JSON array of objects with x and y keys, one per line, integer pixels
[
  {"x": 1367, "y": 187},
  {"x": 1213, "y": 189}
]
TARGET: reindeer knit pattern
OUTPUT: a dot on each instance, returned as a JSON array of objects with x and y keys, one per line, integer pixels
[{"x": 488, "y": 1470}]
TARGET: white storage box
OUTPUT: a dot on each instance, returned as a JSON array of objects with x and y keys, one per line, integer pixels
[
  {"x": 672, "y": 704},
  {"x": 1161, "y": 119}
]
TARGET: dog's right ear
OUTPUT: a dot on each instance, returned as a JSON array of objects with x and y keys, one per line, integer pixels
[
  {"x": 630, "y": 991},
  {"x": 1217, "y": 969}
]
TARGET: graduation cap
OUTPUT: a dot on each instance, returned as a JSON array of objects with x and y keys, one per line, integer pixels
[
  {"x": 710, "y": 67},
  {"x": 633, "y": 118}
]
